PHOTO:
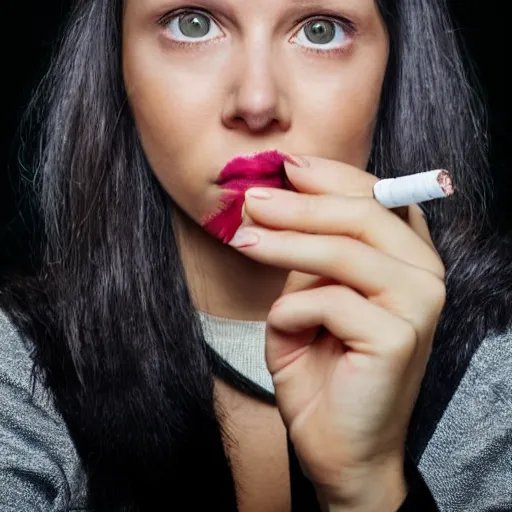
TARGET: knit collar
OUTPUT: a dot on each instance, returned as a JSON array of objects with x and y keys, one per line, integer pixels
[{"x": 241, "y": 343}]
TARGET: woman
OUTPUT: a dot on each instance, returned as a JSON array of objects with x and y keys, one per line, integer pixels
[{"x": 149, "y": 333}]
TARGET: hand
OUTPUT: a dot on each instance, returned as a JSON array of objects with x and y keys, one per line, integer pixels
[{"x": 349, "y": 340}]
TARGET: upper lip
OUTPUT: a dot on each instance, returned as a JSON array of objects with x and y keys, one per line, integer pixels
[{"x": 239, "y": 174}]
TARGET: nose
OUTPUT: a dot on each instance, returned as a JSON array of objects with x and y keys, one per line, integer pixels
[{"x": 256, "y": 103}]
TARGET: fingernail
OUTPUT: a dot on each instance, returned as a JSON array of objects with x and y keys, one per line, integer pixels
[
  {"x": 258, "y": 193},
  {"x": 298, "y": 161},
  {"x": 244, "y": 238}
]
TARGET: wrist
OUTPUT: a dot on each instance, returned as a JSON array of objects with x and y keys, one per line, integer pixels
[{"x": 379, "y": 489}]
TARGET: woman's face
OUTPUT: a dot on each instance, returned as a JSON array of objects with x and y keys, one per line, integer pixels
[{"x": 231, "y": 77}]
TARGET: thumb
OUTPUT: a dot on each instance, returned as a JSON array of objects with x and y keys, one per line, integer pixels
[{"x": 284, "y": 348}]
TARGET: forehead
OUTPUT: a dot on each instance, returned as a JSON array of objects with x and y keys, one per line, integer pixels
[
  {"x": 267, "y": 3},
  {"x": 356, "y": 8}
]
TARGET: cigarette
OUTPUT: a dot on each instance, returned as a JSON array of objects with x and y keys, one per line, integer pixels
[{"x": 414, "y": 189}]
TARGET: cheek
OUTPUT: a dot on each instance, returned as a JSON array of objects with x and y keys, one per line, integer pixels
[
  {"x": 168, "y": 110},
  {"x": 340, "y": 112},
  {"x": 171, "y": 110}
]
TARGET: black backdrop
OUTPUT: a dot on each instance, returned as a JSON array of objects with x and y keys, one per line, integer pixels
[{"x": 30, "y": 27}]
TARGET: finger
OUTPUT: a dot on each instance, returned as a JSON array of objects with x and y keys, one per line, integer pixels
[
  {"x": 361, "y": 218},
  {"x": 323, "y": 176},
  {"x": 356, "y": 336},
  {"x": 301, "y": 281},
  {"x": 361, "y": 326},
  {"x": 317, "y": 175},
  {"x": 405, "y": 290},
  {"x": 415, "y": 218}
]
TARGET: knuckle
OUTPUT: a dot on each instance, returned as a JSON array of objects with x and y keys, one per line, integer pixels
[
  {"x": 404, "y": 341},
  {"x": 408, "y": 334},
  {"x": 443, "y": 272},
  {"x": 426, "y": 281},
  {"x": 439, "y": 268},
  {"x": 437, "y": 292},
  {"x": 434, "y": 287}
]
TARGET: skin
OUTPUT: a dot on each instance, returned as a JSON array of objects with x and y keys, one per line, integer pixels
[
  {"x": 339, "y": 260},
  {"x": 251, "y": 90}
]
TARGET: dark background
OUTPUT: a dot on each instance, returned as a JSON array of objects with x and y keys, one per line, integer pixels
[{"x": 31, "y": 26}]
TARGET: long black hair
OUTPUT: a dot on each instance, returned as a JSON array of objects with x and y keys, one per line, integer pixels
[{"x": 116, "y": 338}]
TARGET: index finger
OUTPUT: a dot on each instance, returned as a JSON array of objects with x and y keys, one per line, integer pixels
[{"x": 315, "y": 175}]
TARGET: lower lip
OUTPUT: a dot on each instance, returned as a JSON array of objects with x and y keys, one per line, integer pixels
[{"x": 260, "y": 170}]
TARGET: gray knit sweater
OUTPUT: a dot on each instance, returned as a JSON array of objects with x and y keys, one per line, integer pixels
[{"x": 467, "y": 463}]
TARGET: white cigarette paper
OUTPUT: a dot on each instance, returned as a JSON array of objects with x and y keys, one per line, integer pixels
[{"x": 413, "y": 189}]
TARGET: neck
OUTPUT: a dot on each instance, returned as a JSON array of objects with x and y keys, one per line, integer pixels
[{"x": 222, "y": 281}]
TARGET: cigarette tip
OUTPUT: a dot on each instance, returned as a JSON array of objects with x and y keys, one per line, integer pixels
[{"x": 446, "y": 182}]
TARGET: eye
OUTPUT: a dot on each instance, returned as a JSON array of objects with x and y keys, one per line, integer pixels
[
  {"x": 189, "y": 26},
  {"x": 323, "y": 34}
]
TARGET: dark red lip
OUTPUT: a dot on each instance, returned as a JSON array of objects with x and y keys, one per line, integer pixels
[
  {"x": 260, "y": 168},
  {"x": 264, "y": 169}
]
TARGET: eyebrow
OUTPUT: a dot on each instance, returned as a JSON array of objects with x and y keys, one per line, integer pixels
[
  {"x": 353, "y": 6},
  {"x": 306, "y": 3},
  {"x": 319, "y": 4},
  {"x": 311, "y": 3}
]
